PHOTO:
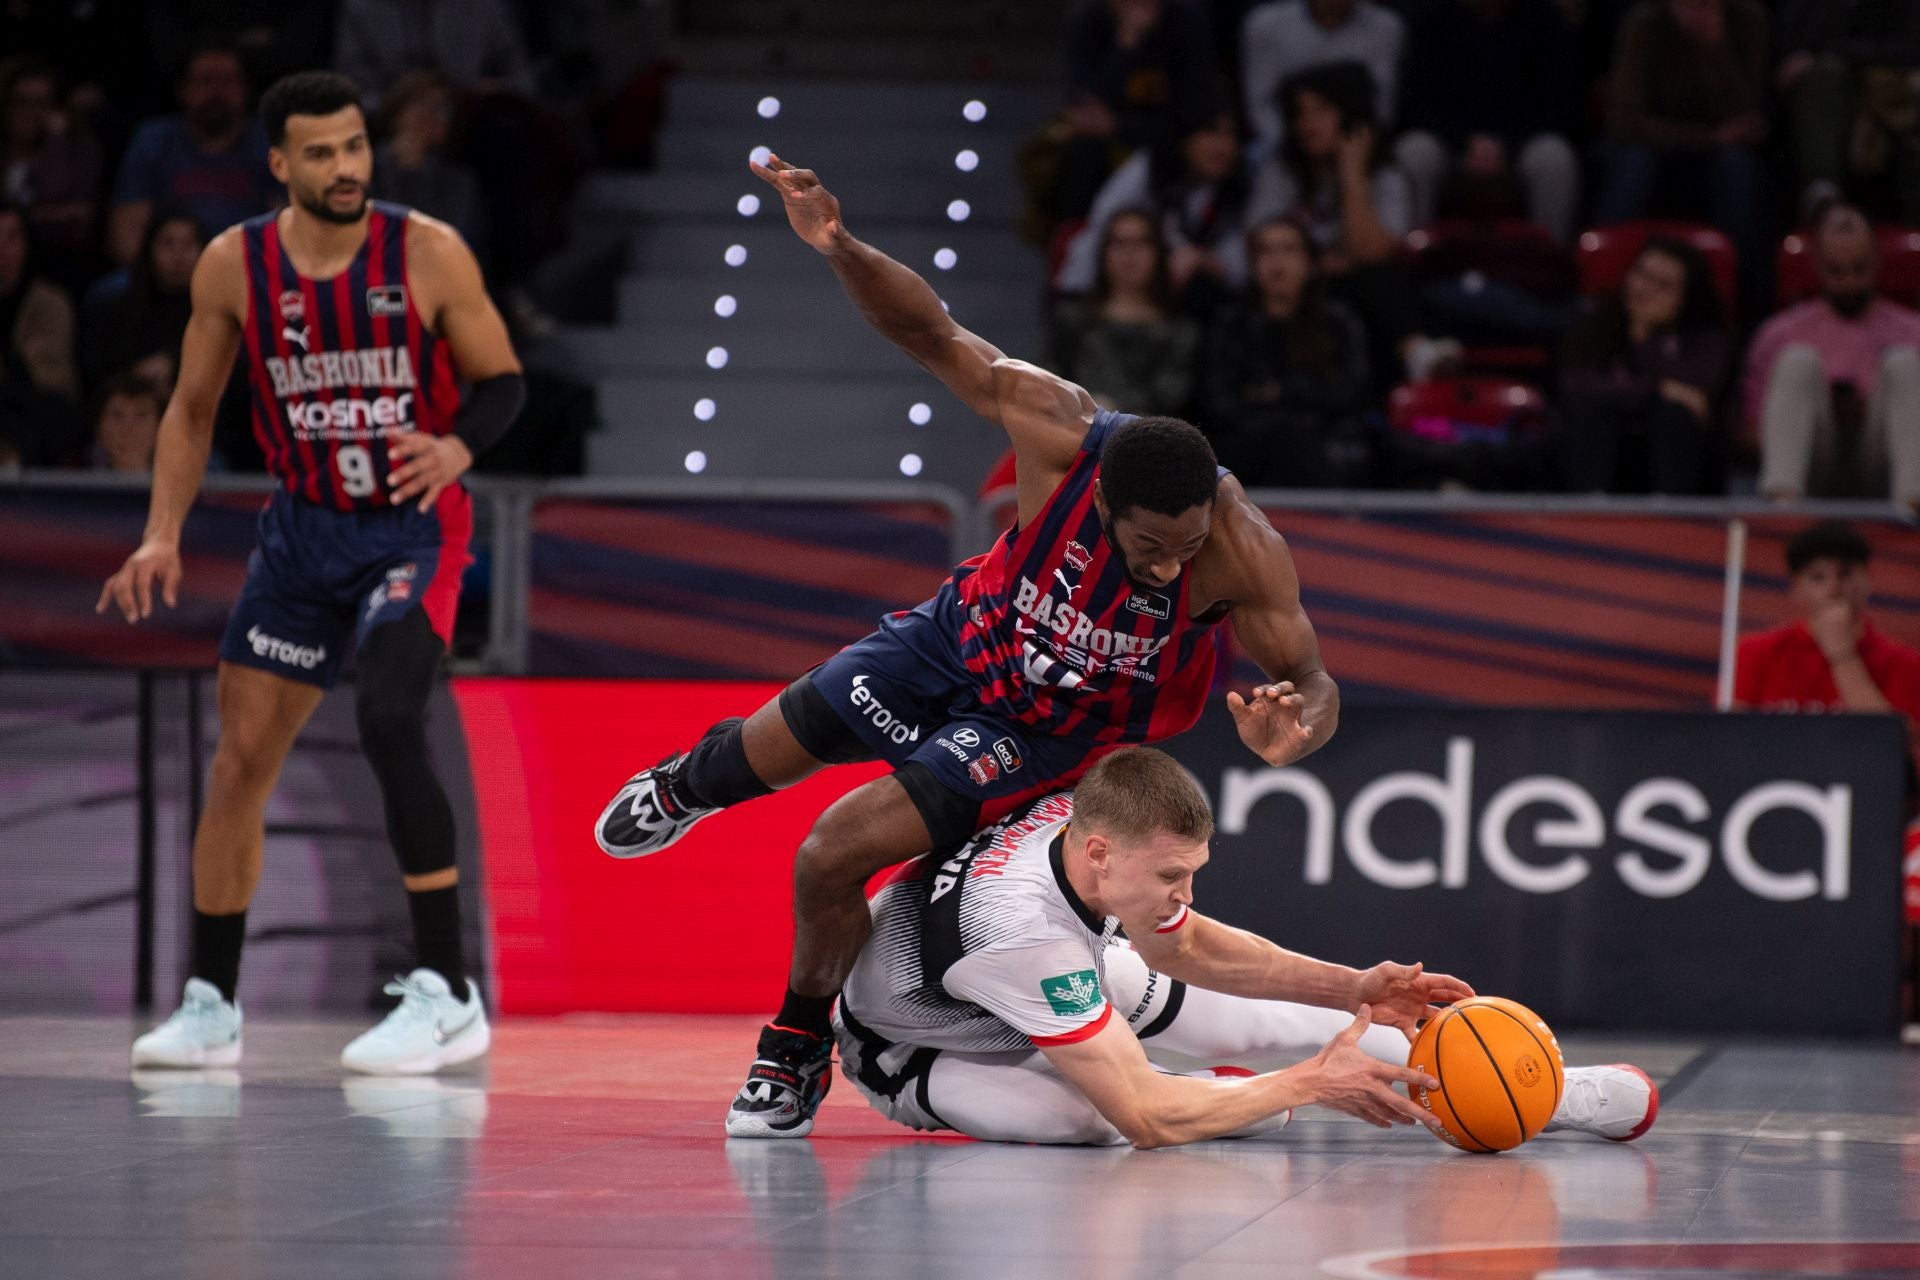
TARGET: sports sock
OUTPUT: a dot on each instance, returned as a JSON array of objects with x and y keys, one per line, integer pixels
[
  {"x": 717, "y": 772},
  {"x": 809, "y": 1015},
  {"x": 436, "y": 935},
  {"x": 216, "y": 949}
]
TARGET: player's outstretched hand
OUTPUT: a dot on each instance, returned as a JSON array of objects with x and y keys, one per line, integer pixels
[
  {"x": 131, "y": 590},
  {"x": 1402, "y": 995},
  {"x": 423, "y": 465},
  {"x": 811, "y": 208},
  {"x": 1347, "y": 1078},
  {"x": 1270, "y": 723}
]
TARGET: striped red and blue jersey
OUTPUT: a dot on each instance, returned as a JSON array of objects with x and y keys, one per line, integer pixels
[
  {"x": 337, "y": 368},
  {"x": 1055, "y": 635}
]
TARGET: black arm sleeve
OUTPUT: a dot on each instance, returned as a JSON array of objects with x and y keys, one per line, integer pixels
[{"x": 488, "y": 409}]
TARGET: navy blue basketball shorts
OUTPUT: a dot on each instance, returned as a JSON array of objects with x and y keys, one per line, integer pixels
[
  {"x": 321, "y": 580},
  {"x": 904, "y": 695}
]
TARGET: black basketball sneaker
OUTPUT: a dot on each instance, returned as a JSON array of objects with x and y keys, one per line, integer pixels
[
  {"x": 650, "y": 812},
  {"x": 784, "y": 1087}
]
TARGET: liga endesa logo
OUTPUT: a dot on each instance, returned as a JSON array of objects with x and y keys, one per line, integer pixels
[{"x": 1574, "y": 841}]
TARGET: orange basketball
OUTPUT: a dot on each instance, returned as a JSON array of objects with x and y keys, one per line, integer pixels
[{"x": 1499, "y": 1069}]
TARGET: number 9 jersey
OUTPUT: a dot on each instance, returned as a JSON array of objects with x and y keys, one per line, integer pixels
[{"x": 338, "y": 368}]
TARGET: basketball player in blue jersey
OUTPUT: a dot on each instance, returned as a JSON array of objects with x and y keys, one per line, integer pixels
[
  {"x": 1092, "y": 624},
  {"x": 355, "y": 316}
]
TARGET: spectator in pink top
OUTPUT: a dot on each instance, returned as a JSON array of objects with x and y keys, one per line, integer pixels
[{"x": 1833, "y": 384}]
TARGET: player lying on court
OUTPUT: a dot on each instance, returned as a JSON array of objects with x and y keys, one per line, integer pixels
[
  {"x": 1092, "y": 623},
  {"x": 995, "y": 998}
]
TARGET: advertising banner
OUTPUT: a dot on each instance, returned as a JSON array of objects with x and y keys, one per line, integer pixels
[
  {"x": 1651, "y": 871},
  {"x": 1634, "y": 871}
]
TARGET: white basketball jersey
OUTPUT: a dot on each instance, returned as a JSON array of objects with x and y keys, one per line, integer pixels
[{"x": 987, "y": 950}]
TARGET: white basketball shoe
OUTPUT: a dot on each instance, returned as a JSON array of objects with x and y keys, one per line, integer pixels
[
  {"x": 203, "y": 1032},
  {"x": 1617, "y": 1102},
  {"x": 428, "y": 1030}
]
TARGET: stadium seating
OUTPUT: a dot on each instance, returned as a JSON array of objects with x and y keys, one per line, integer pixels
[
  {"x": 1798, "y": 278},
  {"x": 1605, "y": 253},
  {"x": 1479, "y": 401},
  {"x": 1512, "y": 251}
]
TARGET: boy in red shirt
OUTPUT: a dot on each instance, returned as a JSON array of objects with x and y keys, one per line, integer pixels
[{"x": 1834, "y": 658}]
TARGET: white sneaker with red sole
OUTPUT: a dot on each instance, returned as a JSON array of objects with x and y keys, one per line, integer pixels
[{"x": 1617, "y": 1102}]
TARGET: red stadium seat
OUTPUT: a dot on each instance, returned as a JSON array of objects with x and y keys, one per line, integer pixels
[
  {"x": 1485, "y": 402},
  {"x": 1797, "y": 278},
  {"x": 1606, "y": 252},
  {"x": 1059, "y": 243},
  {"x": 1000, "y": 476}
]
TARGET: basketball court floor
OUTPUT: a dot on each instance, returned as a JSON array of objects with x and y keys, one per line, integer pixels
[{"x": 591, "y": 1147}]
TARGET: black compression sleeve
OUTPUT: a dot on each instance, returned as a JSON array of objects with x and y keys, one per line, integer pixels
[{"x": 488, "y": 409}]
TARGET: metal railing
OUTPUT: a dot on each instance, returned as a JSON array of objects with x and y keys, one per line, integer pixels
[{"x": 505, "y": 509}]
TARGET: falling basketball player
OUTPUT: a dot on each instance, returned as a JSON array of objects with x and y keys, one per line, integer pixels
[
  {"x": 1092, "y": 623},
  {"x": 995, "y": 999},
  {"x": 355, "y": 316}
]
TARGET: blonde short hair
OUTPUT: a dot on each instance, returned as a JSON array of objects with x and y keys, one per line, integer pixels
[{"x": 1139, "y": 793}]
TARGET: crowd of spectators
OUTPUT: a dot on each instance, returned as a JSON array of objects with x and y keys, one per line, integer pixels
[
  {"x": 1272, "y": 213},
  {"x": 127, "y": 144}
]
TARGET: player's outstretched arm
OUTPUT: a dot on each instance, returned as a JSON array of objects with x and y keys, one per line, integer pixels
[
  {"x": 1218, "y": 957},
  {"x": 1046, "y": 416},
  {"x": 1151, "y": 1109},
  {"x": 219, "y": 294},
  {"x": 1295, "y": 714}
]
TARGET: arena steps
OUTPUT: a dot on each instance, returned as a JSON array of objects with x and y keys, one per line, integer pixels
[{"x": 806, "y": 389}]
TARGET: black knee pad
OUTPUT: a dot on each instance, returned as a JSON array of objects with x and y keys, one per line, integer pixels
[
  {"x": 717, "y": 771},
  {"x": 952, "y": 819},
  {"x": 818, "y": 729},
  {"x": 398, "y": 665}
]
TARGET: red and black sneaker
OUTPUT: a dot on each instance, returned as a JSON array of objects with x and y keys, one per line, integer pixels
[
  {"x": 785, "y": 1086},
  {"x": 651, "y": 812}
]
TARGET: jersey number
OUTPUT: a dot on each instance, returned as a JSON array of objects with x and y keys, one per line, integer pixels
[{"x": 356, "y": 470}]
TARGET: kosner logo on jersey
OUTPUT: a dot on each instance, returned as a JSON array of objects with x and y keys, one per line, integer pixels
[
  {"x": 1660, "y": 837},
  {"x": 334, "y": 371}
]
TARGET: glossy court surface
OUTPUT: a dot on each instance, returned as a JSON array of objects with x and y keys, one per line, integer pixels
[{"x": 593, "y": 1147}]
